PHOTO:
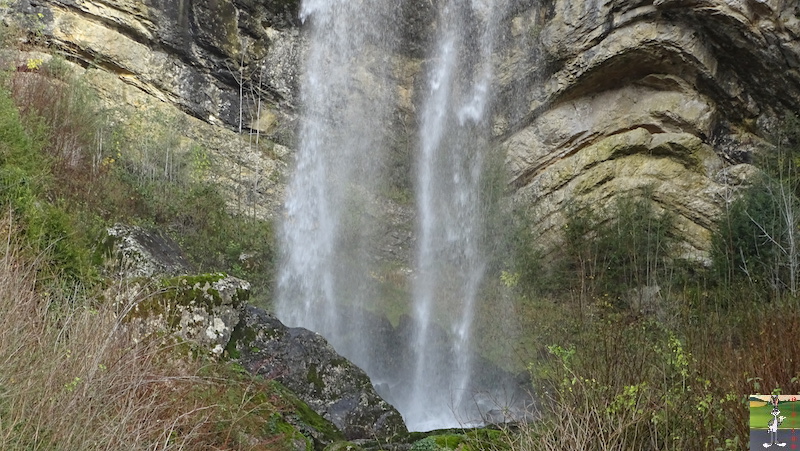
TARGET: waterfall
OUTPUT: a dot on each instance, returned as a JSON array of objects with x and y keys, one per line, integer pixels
[
  {"x": 450, "y": 261},
  {"x": 330, "y": 218},
  {"x": 328, "y": 209}
]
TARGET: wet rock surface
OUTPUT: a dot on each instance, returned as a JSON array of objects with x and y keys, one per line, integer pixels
[{"x": 305, "y": 363}]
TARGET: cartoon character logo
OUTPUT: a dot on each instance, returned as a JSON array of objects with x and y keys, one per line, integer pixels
[{"x": 773, "y": 424}]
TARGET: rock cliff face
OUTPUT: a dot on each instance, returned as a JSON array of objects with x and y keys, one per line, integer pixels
[
  {"x": 596, "y": 98},
  {"x": 222, "y": 70},
  {"x": 626, "y": 94}
]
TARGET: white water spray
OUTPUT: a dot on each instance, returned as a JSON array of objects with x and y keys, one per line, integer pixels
[
  {"x": 347, "y": 101},
  {"x": 326, "y": 227},
  {"x": 450, "y": 258}
]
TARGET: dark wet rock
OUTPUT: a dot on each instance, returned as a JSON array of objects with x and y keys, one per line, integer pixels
[{"x": 306, "y": 364}]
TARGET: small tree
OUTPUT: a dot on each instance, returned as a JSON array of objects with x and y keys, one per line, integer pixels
[
  {"x": 607, "y": 255},
  {"x": 758, "y": 237}
]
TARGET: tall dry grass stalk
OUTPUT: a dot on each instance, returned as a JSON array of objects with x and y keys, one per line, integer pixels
[{"x": 72, "y": 379}]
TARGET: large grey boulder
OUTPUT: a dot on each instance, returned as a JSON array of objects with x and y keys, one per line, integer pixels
[
  {"x": 133, "y": 251},
  {"x": 159, "y": 297},
  {"x": 305, "y": 363},
  {"x": 201, "y": 310}
]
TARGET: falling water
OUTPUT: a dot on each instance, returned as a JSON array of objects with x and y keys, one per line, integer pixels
[
  {"x": 327, "y": 226},
  {"x": 450, "y": 259},
  {"x": 330, "y": 208}
]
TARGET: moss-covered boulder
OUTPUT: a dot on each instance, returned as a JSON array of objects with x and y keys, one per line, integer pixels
[
  {"x": 307, "y": 365},
  {"x": 202, "y": 310},
  {"x": 344, "y": 446},
  {"x": 464, "y": 440}
]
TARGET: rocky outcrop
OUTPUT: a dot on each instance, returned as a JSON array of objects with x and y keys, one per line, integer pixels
[
  {"x": 209, "y": 312},
  {"x": 194, "y": 54},
  {"x": 201, "y": 310},
  {"x": 306, "y": 364},
  {"x": 158, "y": 297},
  {"x": 133, "y": 252},
  {"x": 624, "y": 94},
  {"x": 224, "y": 73}
]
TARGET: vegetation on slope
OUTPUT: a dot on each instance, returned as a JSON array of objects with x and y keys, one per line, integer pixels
[
  {"x": 71, "y": 376},
  {"x": 75, "y": 170},
  {"x": 633, "y": 348}
]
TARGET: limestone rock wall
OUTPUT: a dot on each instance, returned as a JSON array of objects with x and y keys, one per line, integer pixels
[
  {"x": 623, "y": 94},
  {"x": 595, "y": 98},
  {"x": 224, "y": 70},
  {"x": 194, "y": 54}
]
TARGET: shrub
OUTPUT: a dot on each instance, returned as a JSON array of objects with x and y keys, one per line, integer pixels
[
  {"x": 758, "y": 239},
  {"x": 26, "y": 178},
  {"x": 605, "y": 256},
  {"x": 72, "y": 378},
  {"x": 629, "y": 383}
]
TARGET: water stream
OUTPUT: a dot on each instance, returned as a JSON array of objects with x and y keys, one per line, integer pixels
[
  {"x": 332, "y": 208},
  {"x": 450, "y": 260}
]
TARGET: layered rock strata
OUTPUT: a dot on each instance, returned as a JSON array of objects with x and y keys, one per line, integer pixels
[
  {"x": 621, "y": 95},
  {"x": 595, "y": 98}
]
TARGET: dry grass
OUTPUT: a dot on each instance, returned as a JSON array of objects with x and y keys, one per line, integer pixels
[
  {"x": 620, "y": 380},
  {"x": 72, "y": 379}
]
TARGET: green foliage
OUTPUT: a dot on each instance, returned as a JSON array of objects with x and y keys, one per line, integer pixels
[
  {"x": 440, "y": 443},
  {"x": 67, "y": 173},
  {"x": 166, "y": 179},
  {"x": 465, "y": 440},
  {"x": 527, "y": 263},
  {"x": 215, "y": 240},
  {"x": 603, "y": 256},
  {"x": 82, "y": 385},
  {"x": 627, "y": 383},
  {"x": 741, "y": 248},
  {"x": 634, "y": 245},
  {"x": 26, "y": 179},
  {"x": 757, "y": 241}
]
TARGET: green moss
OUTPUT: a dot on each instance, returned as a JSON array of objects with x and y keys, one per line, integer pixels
[
  {"x": 249, "y": 409},
  {"x": 193, "y": 290},
  {"x": 241, "y": 337},
  {"x": 426, "y": 444},
  {"x": 314, "y": 378},
  {"x": 290, "y": 435},
  {"x": 483, "y": 438},
  {"x": 343, "y": 446},
  {"x": 184, "y": 291},
  {"x": 455, "y": 439},
  {"x": 449, "y": 441},
  {"x": 306, "y": 418}
]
